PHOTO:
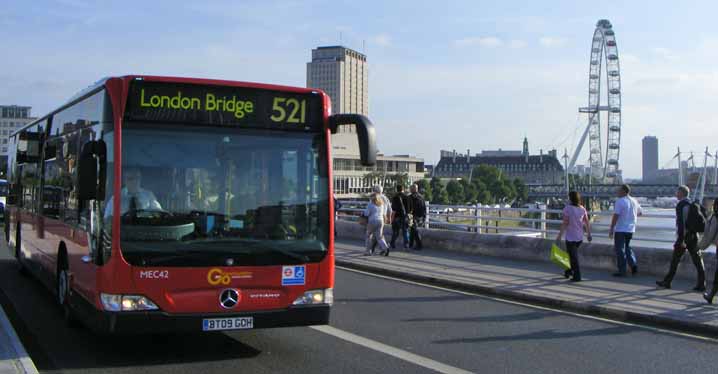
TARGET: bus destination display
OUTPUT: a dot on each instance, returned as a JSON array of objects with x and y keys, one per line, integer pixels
[{"x": 222, "y": 105}]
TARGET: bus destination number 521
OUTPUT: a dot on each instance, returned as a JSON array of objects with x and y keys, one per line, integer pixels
[{"x": 289, "y": 110}]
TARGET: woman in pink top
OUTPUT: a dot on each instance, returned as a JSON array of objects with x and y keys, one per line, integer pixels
[{"x": 575, "y": 219}]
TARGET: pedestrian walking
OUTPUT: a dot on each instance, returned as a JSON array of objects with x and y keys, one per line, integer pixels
[
  {"x": 418, "y": 214},
  {"x": 376, "y": 214},
  {"x": 400, "y": 220},
  {"x": 710, "y": 237},
  {"x": 337, "y": 208},
  {"x": 690, "y": 220},
  {"x": 623, "y": 225},
  {"x": 575, "y": 221}
]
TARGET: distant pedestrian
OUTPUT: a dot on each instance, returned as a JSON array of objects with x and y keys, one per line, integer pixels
[
  {"x": 710, "y": 237},
  {"x": 575, "y": 221},
  {"x": 623, "y": 225},
  {"x": 688, "y": 224},
  {"x": 418, "y": 213},
  {"x": 376, "y": 214},
  {"x": 400, "y": 221},
  {"x": 337, "y": 208},
  {"x": 378, "y": 189}
]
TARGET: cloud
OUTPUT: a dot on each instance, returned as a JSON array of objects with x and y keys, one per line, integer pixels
[
  {"x": 552, "y": 42},
  {"x": 481, "y": 41},
  {"x": 516, "y": 44},
  {"x": 382, "y": 40},
  {"x": 665, "y": 53}
]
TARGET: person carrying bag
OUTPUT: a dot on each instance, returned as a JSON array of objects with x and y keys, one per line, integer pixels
[{"x": 575, "y": 219}]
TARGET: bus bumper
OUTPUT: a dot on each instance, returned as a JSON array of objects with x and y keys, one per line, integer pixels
[{"x": 161, "y": 322}]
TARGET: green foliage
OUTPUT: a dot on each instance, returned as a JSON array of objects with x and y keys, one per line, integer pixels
[
  {"x": 425, "y": 189},
  {"x": 456, "y": 192}
]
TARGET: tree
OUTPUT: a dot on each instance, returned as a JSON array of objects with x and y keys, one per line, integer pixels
[
  {"x": 441, "y": 198},
  {"x": 470, "y": 191},
  {"x": 398, "y": 179},
  {"x": 438, "y": 192},
  {"x": 425, "y": 189},
  {"x": 456, "y": 192},
  {"x": 522, "y": 192}
]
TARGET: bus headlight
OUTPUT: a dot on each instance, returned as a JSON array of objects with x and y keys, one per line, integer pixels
[
  {"x": 126, "y": 303},
  {"x": 325, "y": 296}
]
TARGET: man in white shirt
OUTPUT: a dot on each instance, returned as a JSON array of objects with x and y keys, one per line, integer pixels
[
  {"x": 133, "y": 196},
  {"x": 623, "y": 225}
]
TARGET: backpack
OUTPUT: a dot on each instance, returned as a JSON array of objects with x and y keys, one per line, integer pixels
[{"x": 696, "y": 220}]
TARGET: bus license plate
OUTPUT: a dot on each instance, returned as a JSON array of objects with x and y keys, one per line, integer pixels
[{"x": 218, "y": 324}]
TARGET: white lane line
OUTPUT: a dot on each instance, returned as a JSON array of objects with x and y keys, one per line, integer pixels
[
  {"x": 21, "y": 357},
  {"x": 391, "y": 351},
  {"x": 506, "y": 301}
]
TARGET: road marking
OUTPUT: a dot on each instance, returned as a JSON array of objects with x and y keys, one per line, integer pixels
[
  {"x": 506, "y": 301},
  {"x": 391, "y": 351}
]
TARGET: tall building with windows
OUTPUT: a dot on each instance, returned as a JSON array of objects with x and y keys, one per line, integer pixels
[
  {"x": 12, "y": 117},
  {"x": 650, "y": 158},
  {"x": 343, "y": 74}
]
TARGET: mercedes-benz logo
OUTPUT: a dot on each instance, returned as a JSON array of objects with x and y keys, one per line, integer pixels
[{"x": 229, "y": 298}]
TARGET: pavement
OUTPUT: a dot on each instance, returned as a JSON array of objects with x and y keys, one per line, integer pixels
[
  {"x": 631, "y": 299},
  {"x": 13, "y": 357},
  {"x": 378, "y": 325}
]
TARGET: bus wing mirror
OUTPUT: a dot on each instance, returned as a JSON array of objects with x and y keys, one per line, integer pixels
[
  {"x": 365, "y": 132},
  {"x": 87, "y": 173}
]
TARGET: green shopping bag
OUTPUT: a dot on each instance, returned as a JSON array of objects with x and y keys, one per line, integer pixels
[{"x": 560, "y": 257}]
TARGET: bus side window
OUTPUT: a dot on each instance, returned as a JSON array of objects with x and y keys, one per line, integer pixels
[{"x": 54, "y": 178}]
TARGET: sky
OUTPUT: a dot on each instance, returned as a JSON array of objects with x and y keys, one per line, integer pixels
[{"x": 464, "y": 75}]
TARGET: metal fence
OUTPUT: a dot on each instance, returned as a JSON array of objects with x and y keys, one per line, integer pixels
[{"x": 536, "y": 221}]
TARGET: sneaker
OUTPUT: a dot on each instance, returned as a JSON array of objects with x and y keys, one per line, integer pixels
[
  {"x": 567, "y": 274},
  {"x": 575, "y": 279},
  {"x": 634, "y": 269},
  {"x": 708, "y": 297},
  {"x": 619, "y": 274},
  {"x": 663, "y": 284},
  {"x": 386, "y": 253}
]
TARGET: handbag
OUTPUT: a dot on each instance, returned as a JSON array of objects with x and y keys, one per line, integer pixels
[{"x": 560, "y": 257}]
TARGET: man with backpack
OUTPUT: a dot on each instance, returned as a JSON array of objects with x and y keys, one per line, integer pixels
[
  {"x": 418, "y": 212},
  {"x": 400, "y": 204},
  {"x": 690, "y": 220}
]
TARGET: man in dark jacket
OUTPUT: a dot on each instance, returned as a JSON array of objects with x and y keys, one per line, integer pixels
[
  {"x": 418, "y": 212},
  {"x": 686, "y": 240},
  {"x": 400, "y": 204}
]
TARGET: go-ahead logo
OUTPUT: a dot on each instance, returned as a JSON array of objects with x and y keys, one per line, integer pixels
[{"x": 217, "y": 276}]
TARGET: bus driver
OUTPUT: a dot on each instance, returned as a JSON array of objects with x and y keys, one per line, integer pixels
[{"x": 134, "y": 197}]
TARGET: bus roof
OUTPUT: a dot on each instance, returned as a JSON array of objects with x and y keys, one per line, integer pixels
[{"x": 93, "y": 88}]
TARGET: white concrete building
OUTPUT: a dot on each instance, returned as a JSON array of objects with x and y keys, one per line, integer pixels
[{"x": 12, "y": 117}]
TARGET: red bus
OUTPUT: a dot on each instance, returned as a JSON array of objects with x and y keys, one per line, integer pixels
[{"x": 161, "y": 204}]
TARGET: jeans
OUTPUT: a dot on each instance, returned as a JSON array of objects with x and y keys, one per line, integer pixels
[
  {"x": 624, "y": 253},
  {"x": 572, "y": 249},
  {"x": 375, "y": 234},
  {"x": 400, "y": 224},
  {"x": 691, "y": 240}
]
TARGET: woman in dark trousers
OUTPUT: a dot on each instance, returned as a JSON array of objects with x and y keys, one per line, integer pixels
[
  {"x": 710, "y": 237},
  {"x": 575, "y": 219}
]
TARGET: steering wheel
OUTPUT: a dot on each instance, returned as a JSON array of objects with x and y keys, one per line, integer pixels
[{"x": 144, "y": 213}]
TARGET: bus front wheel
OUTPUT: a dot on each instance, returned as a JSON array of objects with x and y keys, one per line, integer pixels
[{"x": 63, "y": 292}]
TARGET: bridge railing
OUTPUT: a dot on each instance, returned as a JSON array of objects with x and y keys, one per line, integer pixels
[{"x": 653, "y": 229}]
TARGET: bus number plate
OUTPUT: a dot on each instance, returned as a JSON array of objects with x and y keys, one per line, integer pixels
[{"x": 219, "y": 324}]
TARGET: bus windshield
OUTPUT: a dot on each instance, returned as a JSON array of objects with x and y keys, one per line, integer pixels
[{"x": 192, "y": 197}]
